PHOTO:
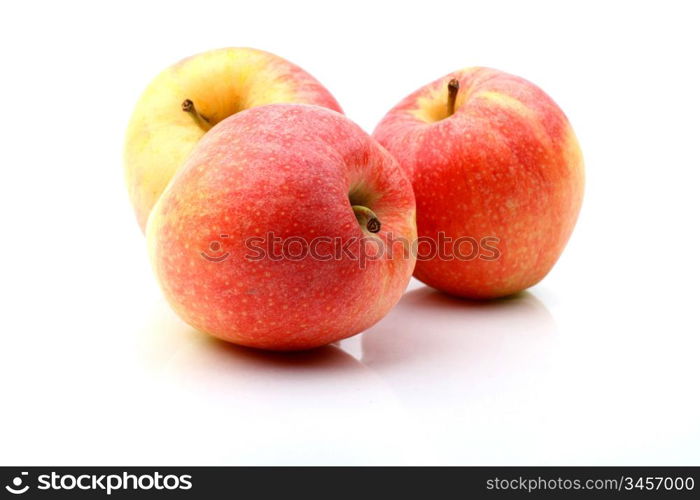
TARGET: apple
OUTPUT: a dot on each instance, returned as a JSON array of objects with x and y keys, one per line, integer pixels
[
  {"x": 494, "y": 163},
  {"x": 287, "y": 228},
  {"x": 183, "y": 102}
]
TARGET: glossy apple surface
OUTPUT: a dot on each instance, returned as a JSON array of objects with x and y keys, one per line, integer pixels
[
  {"x": 301, "y": 176},
  {"x": 494, "y": 160},
  {"x": 190, "y": 97}
]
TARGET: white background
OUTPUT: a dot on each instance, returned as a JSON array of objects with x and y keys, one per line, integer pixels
[{"x": 598, "y": 364}]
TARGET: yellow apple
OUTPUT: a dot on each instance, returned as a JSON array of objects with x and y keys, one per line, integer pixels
[{"x": 183, "y": 102}]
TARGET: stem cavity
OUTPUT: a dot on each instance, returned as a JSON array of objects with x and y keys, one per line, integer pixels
[
  {"x": 201, "y": 120},
  {"x": 367, "y": 219},
  {"x": 452, "y": 90}
]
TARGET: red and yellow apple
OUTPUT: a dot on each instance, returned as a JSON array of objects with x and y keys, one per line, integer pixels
[
  {"x": 286, "y": 229},
  {"x": 490, "y": 156},
  {"x": 183, "y": 102}
]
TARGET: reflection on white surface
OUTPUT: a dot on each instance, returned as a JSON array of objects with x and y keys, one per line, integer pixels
[
  {"x": 270, "y": 379},
  {"x": 470, "y": 374},
  {"x": 438, "y": 381},
  {"x": 447, "y": 350},
  {"x": 363, "y": 401},
  {"x": 270, "y": 408}
]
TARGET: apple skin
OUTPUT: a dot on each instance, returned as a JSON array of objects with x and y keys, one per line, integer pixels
[
  {"x": 505, "y": 164},
  {"x": 220, "y": 83},
  {"x": 290, "y": 171}
]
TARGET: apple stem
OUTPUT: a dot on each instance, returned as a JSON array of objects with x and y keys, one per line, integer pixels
[
  {"x": 452, "y": 90},
  {"x": 201, "y": 120},
  {"x": 367, "y": 218}
]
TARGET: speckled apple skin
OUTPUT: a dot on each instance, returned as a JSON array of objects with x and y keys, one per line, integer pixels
[
  {"x": 220, "y": 82},
  {"x": 285, "y": 169},
  {"x": 506, "y": 164}
]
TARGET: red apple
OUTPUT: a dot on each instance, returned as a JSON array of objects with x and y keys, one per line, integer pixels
[
  {"x": 285, "y": 229},
  {"x": 493, "y": 161}
]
